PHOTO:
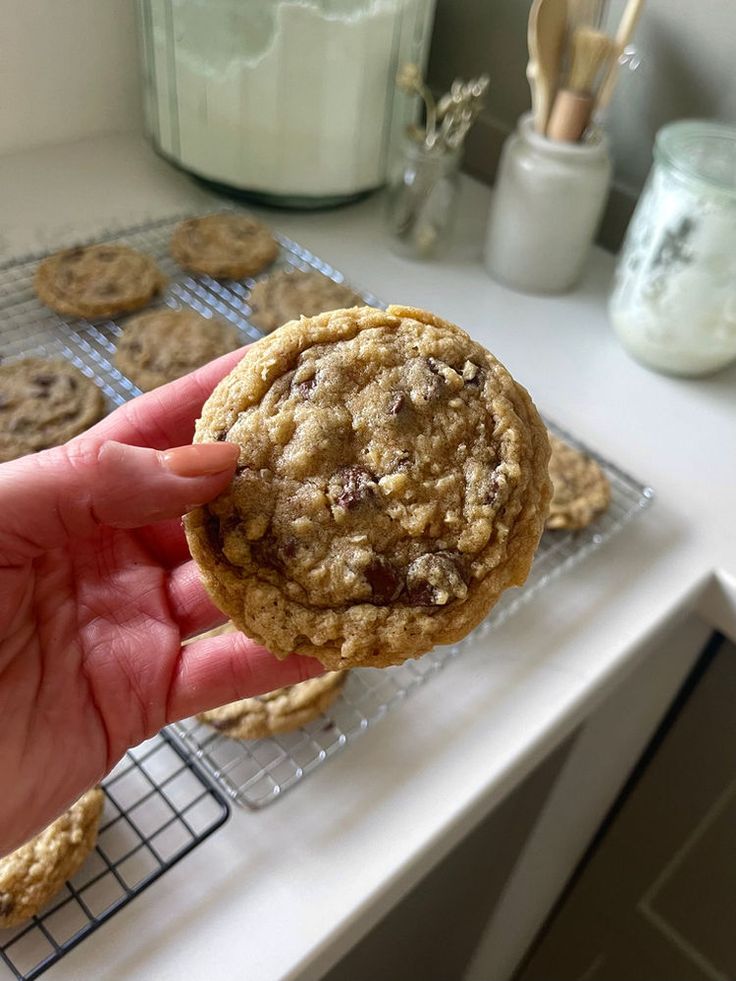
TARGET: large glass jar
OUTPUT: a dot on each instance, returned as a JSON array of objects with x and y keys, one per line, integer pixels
[
  {"x": 288, "y": 101},
  {"x": 673, "y": 304}
]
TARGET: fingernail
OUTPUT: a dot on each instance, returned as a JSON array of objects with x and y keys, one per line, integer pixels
[{"x": 201, "y": 460}]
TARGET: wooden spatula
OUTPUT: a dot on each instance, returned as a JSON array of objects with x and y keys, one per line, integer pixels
[{"x": 546, "y": 37}]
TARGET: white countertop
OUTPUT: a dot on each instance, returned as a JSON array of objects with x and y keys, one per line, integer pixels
[{"x": 283, "y": 892}]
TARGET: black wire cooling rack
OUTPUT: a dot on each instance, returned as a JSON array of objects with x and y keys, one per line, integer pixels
[{"x": 158, "y": 807}]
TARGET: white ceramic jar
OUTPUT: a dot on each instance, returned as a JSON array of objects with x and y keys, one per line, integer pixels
[
  {"x": 673, "y": 304},
  {"x": 546, "y": 207}
]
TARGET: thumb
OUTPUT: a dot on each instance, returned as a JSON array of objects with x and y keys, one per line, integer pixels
[{"x": 71, "y": 490}]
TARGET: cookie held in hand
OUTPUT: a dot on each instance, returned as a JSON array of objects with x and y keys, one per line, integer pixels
[{"x": 392, "y": 483}]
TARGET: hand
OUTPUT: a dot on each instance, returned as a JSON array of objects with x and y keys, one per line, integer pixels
[{"x": 97, "y": 593}]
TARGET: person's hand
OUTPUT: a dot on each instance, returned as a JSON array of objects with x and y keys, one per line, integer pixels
[{"x": 97, "y": 593}]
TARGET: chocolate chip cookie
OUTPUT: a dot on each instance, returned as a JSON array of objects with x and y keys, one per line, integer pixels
[
  {"x": 44, "y": 403},
  {"x": 161, "y": 345},
  {"x": 224, "y": 246},
  {"x": 392, "y": 483},
  {"x": 287, "y": 294},
  {"x": 580, "y": 488},
  {"x": 35, "y": 872},
  {"x": 98, "y": 280}
]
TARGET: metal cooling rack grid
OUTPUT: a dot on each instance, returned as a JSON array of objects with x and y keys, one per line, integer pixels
[
  {"x": 157, "y": 809},
  {"x": 256, "y": 773}
]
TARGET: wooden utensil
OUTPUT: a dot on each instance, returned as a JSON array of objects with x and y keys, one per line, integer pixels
[
  {"x": 629, "y": 20},
  {"x": 572, "y": 109},
  {"x": 546, "y": 36}
]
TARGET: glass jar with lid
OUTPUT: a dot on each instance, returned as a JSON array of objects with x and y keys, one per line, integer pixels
[
  {"x": 291, "y": 102},
  {"x": 673, "y": 305}
]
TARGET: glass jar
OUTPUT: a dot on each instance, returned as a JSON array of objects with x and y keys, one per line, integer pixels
[
  {"x": 673, "y": 305},
  {"x": 421, "y": 200},
  {"x": 546, "y": 207},
  {"x": 289, "y": 102}
]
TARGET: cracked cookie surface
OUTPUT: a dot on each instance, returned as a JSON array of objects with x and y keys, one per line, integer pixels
[
  {"x": 224, "y": 246},
  {"x": 160, "y": 346},
  {"x": 44, "y": 403},
  {"x": 98, "y": 280},
  {"x": 392, "y": 483},
  {"x": 32, "y": 874},
  {"x": 581, "y": 490},
  {"x": 285, "y": 295}
]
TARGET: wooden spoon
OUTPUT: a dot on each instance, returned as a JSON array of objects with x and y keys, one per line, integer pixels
[{"x": 546, "y": 37}]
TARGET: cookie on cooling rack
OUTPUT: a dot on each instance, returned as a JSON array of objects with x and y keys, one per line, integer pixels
[
  {"x": 35, "y": 872},
  {"x": 288, "y": 294},
  {"x": 282, "y": 710},
  {"x": 44, "y": 403},
  {"x": 581, "y": 490},
  {"x": 98, "y": 280},
  {"x": 392, "y": 483},
  {"x": 161, "y": 345},
  {"x": 225, "y": 246}
]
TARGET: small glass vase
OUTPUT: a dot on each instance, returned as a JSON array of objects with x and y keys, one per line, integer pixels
[{"x": 422, "y": 197}]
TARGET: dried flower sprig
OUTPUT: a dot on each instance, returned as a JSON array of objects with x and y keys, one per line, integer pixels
[{"x": 448, "y": 121}]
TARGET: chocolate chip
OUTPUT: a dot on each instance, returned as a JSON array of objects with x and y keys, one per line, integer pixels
[
  {"x": 306, "y": 388},
  {"x": 135, "y": 347},
  {"x": 73, "y": 384},
  {"x": 273, "y": 552},
  {"x": 354, "y": 484},
  {"x": 221, "y": 436},
  {"x": 384, "y": 580},
  {"x": 398, "y": 400},
  {"x": 212, "y": 527},
  {"x": 43, "y": 380},
  {"x": 73, "y": 254},
  {"x": 421, "y": 594},
  {"x": 436, "y": 579},
  {"x": 435, "y": 366},
  {"x": 492, "y": 492}
]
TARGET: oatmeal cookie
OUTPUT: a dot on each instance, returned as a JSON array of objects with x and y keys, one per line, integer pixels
[
  {"x": 285, "y": 295},
  {"x": 580, "y": 488},
  {"x": 161, "y": 345},
  {"x": 35, "y": 872},
  {"x": 392, "y": 483},
  {"x": 98, "y": 280},
  {"x": 44, "y": 403},
  {"x": 225, "y": 246}
]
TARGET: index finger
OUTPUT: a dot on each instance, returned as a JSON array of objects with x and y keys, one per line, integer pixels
[{"x": 165, "y": 417}]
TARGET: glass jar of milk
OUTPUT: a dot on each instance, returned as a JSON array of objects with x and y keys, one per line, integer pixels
[
  {"x": 673, "y": 304},
  {"x": 292, "y": 102}
]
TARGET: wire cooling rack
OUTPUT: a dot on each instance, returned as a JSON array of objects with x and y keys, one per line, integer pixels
[
  {"x": 257, "y": 773},
  {"x": 157, "y": 809}
]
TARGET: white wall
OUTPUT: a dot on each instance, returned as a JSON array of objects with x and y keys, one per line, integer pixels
[{"x": 68, "y": 69}]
